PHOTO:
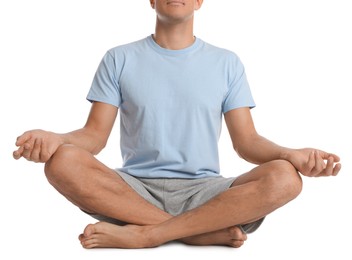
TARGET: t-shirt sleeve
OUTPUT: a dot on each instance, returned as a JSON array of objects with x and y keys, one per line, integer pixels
[
  {"x": 239, "y": 93},
  {"x": 105, "y": 87}
]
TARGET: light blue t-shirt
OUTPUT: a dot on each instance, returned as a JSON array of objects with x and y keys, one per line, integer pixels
[{"x": 171, "y": 104}]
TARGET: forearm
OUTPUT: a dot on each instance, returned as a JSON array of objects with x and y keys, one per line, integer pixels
[
  {"x": 86, "y": 139},
  {"x": 39, "y": 145},
  {"x": 259, "y": 150},
  {"x": 94, "y": 135}
]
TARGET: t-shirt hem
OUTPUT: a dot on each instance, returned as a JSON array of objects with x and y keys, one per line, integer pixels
[
  {"x": 97, "y": 99},
  {"x": 239, "y": 106},
  {"x": 170, "y": 175}
]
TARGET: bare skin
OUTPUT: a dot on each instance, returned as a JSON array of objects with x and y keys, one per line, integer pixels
[
  {"x": 123, "y": 196},
  {"x": 75, "y": 172},
  {"x": 249, "y": 199},
  {"x": 106, "y": 235},
  {"x": 72, "y": 169}
]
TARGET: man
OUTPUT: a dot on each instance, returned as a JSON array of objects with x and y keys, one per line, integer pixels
[{"x": 171, "y": 90}]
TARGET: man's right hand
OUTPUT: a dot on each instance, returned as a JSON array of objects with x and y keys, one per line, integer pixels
[{"x": 37, "y": 145}]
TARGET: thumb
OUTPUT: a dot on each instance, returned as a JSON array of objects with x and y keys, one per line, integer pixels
[{"x": 326, "y": 156}]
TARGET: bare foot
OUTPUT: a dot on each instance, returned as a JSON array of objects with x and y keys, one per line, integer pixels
[
  {"x": 107, "y": 235},
  {"x": 232, "y": 236}
]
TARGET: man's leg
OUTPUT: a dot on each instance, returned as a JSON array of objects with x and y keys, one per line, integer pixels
[
  {"x": 252, "y": 196},
  {"x": 95, "y": 188}
]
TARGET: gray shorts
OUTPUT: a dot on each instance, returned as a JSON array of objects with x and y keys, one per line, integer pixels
[{"x": 176, "y": 196}]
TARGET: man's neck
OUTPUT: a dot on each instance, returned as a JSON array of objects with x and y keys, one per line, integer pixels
[{"x": 174, "y": 36}]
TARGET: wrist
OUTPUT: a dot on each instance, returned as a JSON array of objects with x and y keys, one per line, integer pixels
[
  {"x": 63, "y": 139},
  {"x": 286, "y": 154}
]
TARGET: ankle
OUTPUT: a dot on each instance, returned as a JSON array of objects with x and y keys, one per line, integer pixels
[{"x": 152, "y": 236}]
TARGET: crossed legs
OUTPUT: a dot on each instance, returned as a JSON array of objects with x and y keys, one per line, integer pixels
[{"x": 95, "y": 188}]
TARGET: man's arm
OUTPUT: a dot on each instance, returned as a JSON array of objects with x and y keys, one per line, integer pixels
[
  {"x": 258, "y": 150},
  {"x": 39, "y": 145}
]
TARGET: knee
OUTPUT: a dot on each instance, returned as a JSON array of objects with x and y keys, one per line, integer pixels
[
  {"x": 59, "y": 164},
  {"x": 283, "y": 180}
]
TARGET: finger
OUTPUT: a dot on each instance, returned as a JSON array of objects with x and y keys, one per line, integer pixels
[
  {"x": 18, "y": 153},
  {"x": 319, "y": 165},
  {"x": 310, "y": 164},
  {"x": 336, "y": 170},
  {"x": 336, "y": 158},
  {"x": 313, "y": 164},
  {"x": 44, "y": 152},
  {"x": 27, "y": 149},
  {"x": 35, "y": 154},
  {"x": 328, "y": 171},
  {"x": 23, "y": 139},
  {"x": 326, "y": 156}
]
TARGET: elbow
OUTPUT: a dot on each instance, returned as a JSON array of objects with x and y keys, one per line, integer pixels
[
  {"x": 237, "y": 149},
  {"x": 245, "y": 152},
  {"x": 246, "y": 147},
  {"x": 239, "y": 153},
  {"x": 98, "y": 147}
]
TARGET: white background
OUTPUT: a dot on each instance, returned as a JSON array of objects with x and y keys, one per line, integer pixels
[{"x": 298, "y": 59}]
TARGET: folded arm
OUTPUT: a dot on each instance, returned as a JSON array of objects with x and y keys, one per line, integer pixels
[
  {"x": 40, "y": 145},
  {"x": 256, "y": 149}
]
